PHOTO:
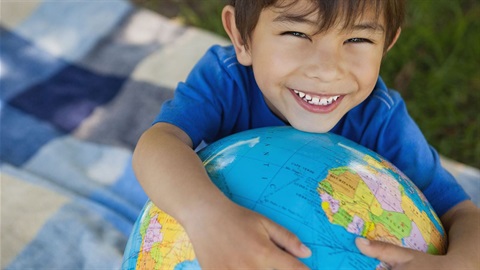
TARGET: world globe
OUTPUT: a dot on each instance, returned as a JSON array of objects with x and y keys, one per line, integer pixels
[{"x": 322, "y": 187}]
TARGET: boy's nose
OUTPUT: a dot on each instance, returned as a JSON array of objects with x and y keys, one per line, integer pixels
[{"x": 324, "y": 64}]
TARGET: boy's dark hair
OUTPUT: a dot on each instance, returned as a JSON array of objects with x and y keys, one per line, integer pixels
[{"x": 247, "y": 13}]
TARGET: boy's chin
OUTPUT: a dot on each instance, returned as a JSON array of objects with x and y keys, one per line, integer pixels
[{"x": 312, "y": 128}]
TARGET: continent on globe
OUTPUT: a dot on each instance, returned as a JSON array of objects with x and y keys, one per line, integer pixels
[
  {"x": 164, "y": 243},
  {"x": 371, "y": 204},
  {"x": 322, "y": 187}
]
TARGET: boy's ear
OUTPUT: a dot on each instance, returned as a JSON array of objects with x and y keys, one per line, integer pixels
[
  {"x": 228, "y": 20},
  {"x": 394, "y": 39}
]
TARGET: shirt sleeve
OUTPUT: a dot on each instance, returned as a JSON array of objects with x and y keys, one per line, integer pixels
[
  {"x": 391, "y": 132},
  {"x": 198, "y": 103}
]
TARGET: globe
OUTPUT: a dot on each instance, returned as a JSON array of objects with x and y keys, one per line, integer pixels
[{"x": 322, "y": 187}]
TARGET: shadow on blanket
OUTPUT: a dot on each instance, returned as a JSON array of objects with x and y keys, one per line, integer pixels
[{"x": 81, "y": 80}]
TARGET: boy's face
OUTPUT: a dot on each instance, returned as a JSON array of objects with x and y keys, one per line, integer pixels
[{"x": 312, "y": 80}]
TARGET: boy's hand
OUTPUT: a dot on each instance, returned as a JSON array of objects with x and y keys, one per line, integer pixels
[
  {"x": 462, "y": 224},
  {"x": 402, "y": 258},
  {"x": 237, "y": 238}
]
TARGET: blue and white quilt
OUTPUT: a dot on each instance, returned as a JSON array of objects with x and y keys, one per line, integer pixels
[{"x": 80, "y": 81}]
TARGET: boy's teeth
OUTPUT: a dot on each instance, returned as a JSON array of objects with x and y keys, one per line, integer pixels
[{"x": 316, "y": 100}]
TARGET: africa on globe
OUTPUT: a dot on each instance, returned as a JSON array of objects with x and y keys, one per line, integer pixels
[{"x": 322, "y": 187}]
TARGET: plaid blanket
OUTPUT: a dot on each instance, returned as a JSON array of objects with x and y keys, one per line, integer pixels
[{"x": 80, "y": 81}]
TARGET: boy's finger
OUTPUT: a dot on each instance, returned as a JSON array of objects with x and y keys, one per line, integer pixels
[
  {"x": 287, "y": 240},
  {"x": 283, "y": 260},
  {"x": 385, "y": 252}
]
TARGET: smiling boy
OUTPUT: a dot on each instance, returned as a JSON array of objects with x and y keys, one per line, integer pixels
[{"x": 314, "y": 65}]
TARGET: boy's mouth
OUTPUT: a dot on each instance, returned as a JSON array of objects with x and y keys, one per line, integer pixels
[{"x": 316, "y": 100}]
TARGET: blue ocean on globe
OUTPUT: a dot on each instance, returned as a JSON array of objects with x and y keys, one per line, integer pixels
[{"x": 322, "y": 187}]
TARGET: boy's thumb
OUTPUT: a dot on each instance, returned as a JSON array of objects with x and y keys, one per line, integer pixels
[
  {"x": 287, "y": 241},
  {"x": 384, "y": 252}
]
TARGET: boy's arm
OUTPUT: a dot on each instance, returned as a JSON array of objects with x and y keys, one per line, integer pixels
[
  {"x": 462, "y": 224},
  {"x": 223, "y": 234}
]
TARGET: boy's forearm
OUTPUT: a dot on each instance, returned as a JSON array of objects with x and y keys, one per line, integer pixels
[
  {"x": 168, "y": 169},
  {"x": 462, "y": 224}
]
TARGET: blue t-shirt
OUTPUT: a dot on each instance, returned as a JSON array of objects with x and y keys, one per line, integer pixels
[{"x": 220, "y": 97}]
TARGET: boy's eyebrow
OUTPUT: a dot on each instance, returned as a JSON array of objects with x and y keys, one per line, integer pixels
[
  {"x": 368, "y": 26},
  {"x": 292, "y": 18}
]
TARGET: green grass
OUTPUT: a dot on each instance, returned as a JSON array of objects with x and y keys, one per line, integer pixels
[{"x": 435, "y": 65}]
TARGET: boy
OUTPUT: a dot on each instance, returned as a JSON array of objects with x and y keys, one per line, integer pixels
[{"x": 314, "y": 65}]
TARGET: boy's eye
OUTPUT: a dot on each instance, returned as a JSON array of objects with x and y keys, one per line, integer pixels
[
  {"x": 296, "y": 34},
  {"x": 358, "y": 40}
]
